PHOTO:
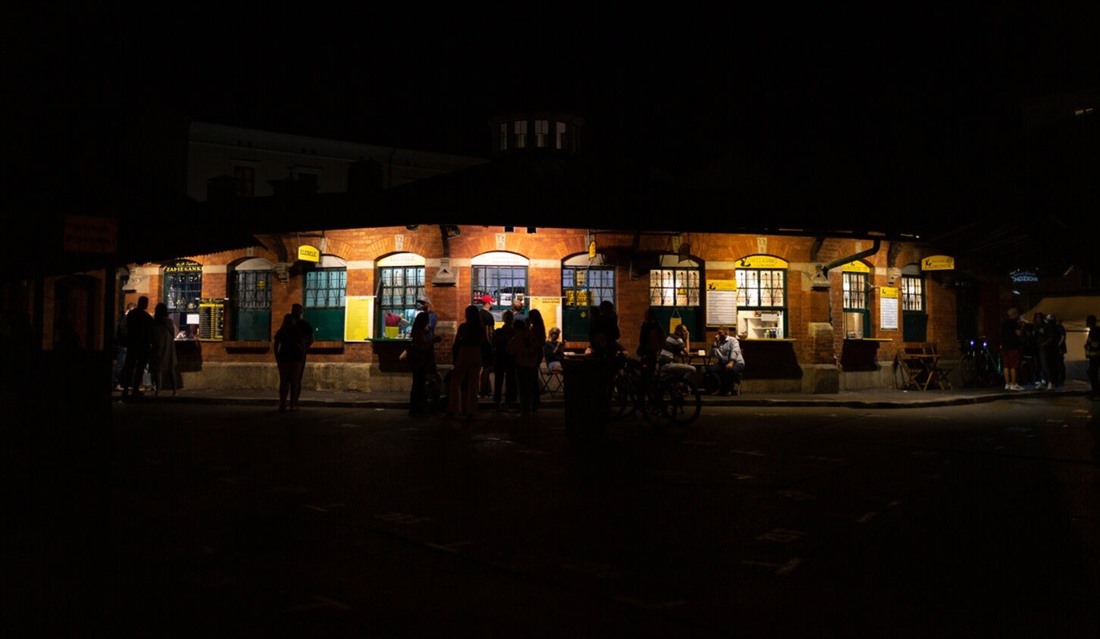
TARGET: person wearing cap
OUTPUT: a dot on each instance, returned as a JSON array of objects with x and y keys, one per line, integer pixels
[{"x": 489, "y": 322}]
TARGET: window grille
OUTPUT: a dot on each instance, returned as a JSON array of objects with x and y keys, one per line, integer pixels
[{"x": 325, "y": 288}]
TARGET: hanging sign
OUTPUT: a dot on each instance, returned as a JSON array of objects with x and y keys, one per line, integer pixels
[
  {"x": 855, "y": 267},
  {"x": 938, "y": 263},
  {"x": 308, "y": 253}
]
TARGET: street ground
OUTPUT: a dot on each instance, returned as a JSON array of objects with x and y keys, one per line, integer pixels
[{"x": 236, "y": 520}]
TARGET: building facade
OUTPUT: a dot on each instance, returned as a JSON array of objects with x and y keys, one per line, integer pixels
[{"x": 816, "y": 313}]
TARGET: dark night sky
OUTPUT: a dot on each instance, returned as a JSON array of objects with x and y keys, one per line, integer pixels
[{"x": 902, "y": 98}]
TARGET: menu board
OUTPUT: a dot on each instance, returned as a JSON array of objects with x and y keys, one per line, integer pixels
[
  {"x": 358, "y": 318},
  {"x": 888, "y": 308},
  {"x": 722, "y": 303},
  {"x": 211, "y": 319},
  {"x": 550, "y": 308}
]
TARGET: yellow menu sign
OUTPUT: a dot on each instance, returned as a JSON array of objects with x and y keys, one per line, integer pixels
[{"x": 938, "y": 263}]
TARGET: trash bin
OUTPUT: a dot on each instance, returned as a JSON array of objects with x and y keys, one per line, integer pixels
[{"x": 587, "y": 396}]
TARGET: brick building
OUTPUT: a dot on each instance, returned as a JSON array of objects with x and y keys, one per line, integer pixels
[{"x": 818, "y": 309}]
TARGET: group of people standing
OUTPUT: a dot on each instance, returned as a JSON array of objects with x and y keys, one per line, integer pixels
[
  {"x": 501, "y": 363},
  {"x": 1041, "y": 343},
  {"x": 145, "y": 342}
]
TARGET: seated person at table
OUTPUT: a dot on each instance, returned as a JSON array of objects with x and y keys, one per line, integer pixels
[
  {"x": 728, "y": 362},
  {"x": 674, "y": 356},
  {"x": 554, "y": 350}
]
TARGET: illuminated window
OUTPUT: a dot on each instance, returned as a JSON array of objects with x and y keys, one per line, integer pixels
[
  {"x": 912, "y": 293},
  {"x": 762, "y": 297},
  {"x": 503, "y": 136},
  {"x": 559, "y": 135},
  {"x": 674, "y": 287},
  {"x": 587, "y": 285},
  {"x": 399, "y": 288},
  {"x": 855, "y": 291},
  {"x": 183, "y": 286}
]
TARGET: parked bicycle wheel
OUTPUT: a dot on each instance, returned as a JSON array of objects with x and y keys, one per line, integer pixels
[
  {"x": 677, "y": 402},
  {"x": 624, "y": 395}
]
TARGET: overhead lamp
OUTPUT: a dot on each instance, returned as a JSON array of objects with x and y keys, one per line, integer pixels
[
  {"x": 684, "y": 252},
  {"x": 412, "y": 227}
]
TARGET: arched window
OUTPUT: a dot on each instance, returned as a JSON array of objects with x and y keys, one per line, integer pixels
[
  {"x": 857, "y": 299},
  {"x": 250, "y": 283},
  {"x": 324, "y": 297},
  {"x": 500, "y": 275},
  {"x": 762, "y": 297},
  {"x": 399, "y": 284},
  {"x": 183, "y": 295},
  {"x": 585, "y": 282},
  {"x": 914, "y": 315},
  {"x": 675, "y": 290}
]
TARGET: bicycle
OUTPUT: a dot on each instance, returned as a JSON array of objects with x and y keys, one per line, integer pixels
[
  {"x": 671, "y": 399},
  {"x": 979, "y": 365}
]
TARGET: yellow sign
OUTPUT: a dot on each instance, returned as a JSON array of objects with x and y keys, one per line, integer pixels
[
  {"x": 592, "y": 250},
  {"x": 762, "y": 261},
  {"x": 889, "y": 292},
  {"x": 855, "y": 267},
  {"x": 308, "y": 253},
  {"x": 358, "y": 318},
  {"x": 938, "y": 263},
  {"x": 721, "y": 285}
]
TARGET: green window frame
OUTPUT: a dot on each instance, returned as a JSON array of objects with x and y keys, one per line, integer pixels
[
  {"x": 323, "y": 301},
  {"x": 584, "y": 286},
  {"x": 252, "y": 305}
]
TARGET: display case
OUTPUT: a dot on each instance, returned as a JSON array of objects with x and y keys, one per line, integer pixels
[{"x": 760, "y": 325}]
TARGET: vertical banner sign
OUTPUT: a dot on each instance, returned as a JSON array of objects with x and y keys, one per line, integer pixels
[
  {"x": 722, "y": 303},
  {"x": 888, "y": 308}
]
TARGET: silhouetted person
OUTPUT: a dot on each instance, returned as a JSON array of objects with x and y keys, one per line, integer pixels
[
  {"x": 139, "y": 340},
  {"x": 306, "y": 331},
  {"x": 504, "y": 370},
  {"x": 120, "y": 346},
  {"x": 604, "y": 334},
  {"x": 1092, "y": 354},
  {"x": 526, "y": 350},
  {"x": 489, "y": 323},
  {"x": 290, "y": 357},
  {"x": 162, "y": 357},
  {"x": 421, "y": 359},
  {"x": 1011, "y": 344},
  {"x": 471, "y": 342}
]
